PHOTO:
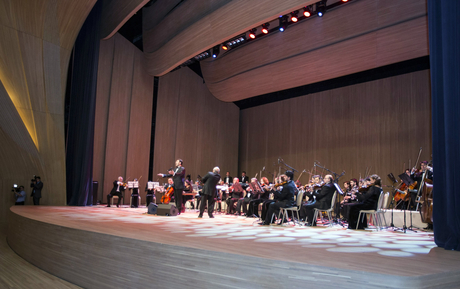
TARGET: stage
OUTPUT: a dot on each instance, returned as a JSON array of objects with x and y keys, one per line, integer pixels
[{"x": 99, "y": 247}]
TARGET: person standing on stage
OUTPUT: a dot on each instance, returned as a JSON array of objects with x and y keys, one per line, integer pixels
[
  {"x": 37, "y": 186},
  {"x": 210, "y": 181},
  {"x": 117, "y": 190},
  {"x": 244, "y": 179},
  {"x": 178, "y": 175},
  {"x": 228, "y": 179}
]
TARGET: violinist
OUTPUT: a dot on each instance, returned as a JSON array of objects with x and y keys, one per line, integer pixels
[
  {"x": 322, "y": 202},
  {"x": 236, "y": 191},
  {"x": 285, "y": 198},
  {"x": 366, "y": 201},
  {"x": 117, "y": 190},
  {"x": 253, "y": 207},
  {"x": 252, "y": 193},
  {"x": 178, "y": 175},
  {"x": 350, "y": 197},
  {"x": 270, "y": 189}
]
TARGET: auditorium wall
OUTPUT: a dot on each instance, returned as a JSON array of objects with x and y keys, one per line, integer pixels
[
  {"x": 193, "y": 125},
  {"x": 377, "y": 126},
  {"x": 123, "y": 116}
]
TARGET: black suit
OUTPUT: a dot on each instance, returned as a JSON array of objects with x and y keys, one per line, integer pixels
[
  {"x": 116, "y": 191},
  {"x": 228, "y": 180},
  {"x": 37, "y": 192},
  {"x": 323, "y": 202},
  {"x": 209, "y": 192},
  {"x": 236, "y": 195},
  {"x": 367, "y": 201},
  {"x": 285, "y": 200},
  {"x": 178, "y": 178},
  {"x": 244, "y": 179}
]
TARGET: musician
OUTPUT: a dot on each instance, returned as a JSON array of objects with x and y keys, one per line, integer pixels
[
  {"x": 228, "y": 179},
  {"x": 266, "y": 203},
  {"x": 350, "y": 197},
  {"x": 199, "y": 186},
  {"x": 243, "y": 179},
  {"x": 188, "y": 189},
  {"x": 250, "y": 195},
  {"x": 366, "y": 201},
  {"x": 236, "y": 194},
  {"x": 417, "y": 176},
  {"x": 178, "y": 175},
  {"x": 253, "y": 207},
  {"x": 285, "y": 198},
  {"x": 117, "y": 190},
  {"x": 210, "y": 181},
  {"x": 322, "y": 202}
]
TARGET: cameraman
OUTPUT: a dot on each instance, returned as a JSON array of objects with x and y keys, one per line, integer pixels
[
  {"x": 20, "y": 196},
  {"x": 37, "y": 186}
]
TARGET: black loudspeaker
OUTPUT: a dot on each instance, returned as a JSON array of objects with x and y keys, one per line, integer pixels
[
  {"x": 167, "y": 210},
  {"x": 152, "y": 208}
]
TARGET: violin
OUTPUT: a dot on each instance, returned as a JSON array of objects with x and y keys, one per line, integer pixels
[
  {"x": 166, "y": 198},
  {"x": 280, "y": 184}
]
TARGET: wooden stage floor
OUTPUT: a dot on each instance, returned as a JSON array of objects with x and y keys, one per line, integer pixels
[{"x": 230, "y": 251}]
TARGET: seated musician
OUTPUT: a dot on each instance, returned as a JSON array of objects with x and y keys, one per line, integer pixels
[
  {"x": 285, "y": 198},
  {"x": 187, "y": 190},
  {"x": 168, "y": 187},
  {"x": 117, "y": 190},
  {"x": 272, "y": 196},
  {"x": 199, "y": 186},
  {"x": 322, "y": 202},
  {"x": 252, "y": 193},
  {"x": 228, "y": 179},
  {"x": 317, "y": 183},
  {"x": 366, "y": 201},
  {"x": 350, "y": 197},
  {"x": 253, "y": 207},
  {"x": 236, "y": 193}
]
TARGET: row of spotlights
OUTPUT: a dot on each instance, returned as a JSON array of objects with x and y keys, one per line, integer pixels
[{"x": 283, "y": 21}]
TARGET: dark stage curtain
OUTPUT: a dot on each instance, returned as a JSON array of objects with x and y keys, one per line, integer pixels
[
  {"x": 444, "y": 38},
  {"x": 82, "y": 104}
]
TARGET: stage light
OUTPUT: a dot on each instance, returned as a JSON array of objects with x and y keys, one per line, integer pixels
[
  {"x": 215, "y": 51},
  {"x": 252, "y": 33},
  {"x": 224, "y": 47},
  {"x": 307, "y": 12},
  {"x": 265, "y": 28},
  {"x": 344, "y": 0},
  {"x": 294, "y": 16},
  {"x": 282, "y": 23},
  {"x": 321, "y": 8}
]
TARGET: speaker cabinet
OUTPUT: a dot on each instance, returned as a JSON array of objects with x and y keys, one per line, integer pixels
[{"x": 167, "y": 210}]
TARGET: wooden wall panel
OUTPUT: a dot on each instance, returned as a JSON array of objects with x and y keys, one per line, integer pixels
[
  {"x": 123, "y": 116},
  {"x": 379, "y": 125},
  {"x": 191, "y": 124},
  {"x": 104, "y": 80},
  {"x": 200, "y": 33},
  {"x": 359, "y": 36},
  {"x": 119, "y": 107},
  {"x": 140, "y": 124}
]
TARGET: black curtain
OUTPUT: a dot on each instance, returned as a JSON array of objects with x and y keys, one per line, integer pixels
[
  {"x": 444, "y": 37},
  {"x": 82, "y": 104}
]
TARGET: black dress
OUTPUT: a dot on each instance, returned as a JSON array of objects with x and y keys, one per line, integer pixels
[{"x": 367, "y": 201}]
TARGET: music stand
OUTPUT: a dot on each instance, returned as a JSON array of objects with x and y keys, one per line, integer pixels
[
  {"x": 408, "y": 181},
  {"x": 392, "y": 204},
  {"x": 337, "y": 205}
]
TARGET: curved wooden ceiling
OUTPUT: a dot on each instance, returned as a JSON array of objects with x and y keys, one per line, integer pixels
[{"x": 172, "y": 37}]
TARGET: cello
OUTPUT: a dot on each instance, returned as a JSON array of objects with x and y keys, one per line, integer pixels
[{"x": 167, "y": 196}]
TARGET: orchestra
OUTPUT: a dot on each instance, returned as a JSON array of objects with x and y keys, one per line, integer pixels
[{"x": 262, "y": 199}]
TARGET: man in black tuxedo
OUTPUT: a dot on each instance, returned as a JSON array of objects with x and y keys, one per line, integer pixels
[
  {"x": 209, "y": 192},
  {"x": 244, "y": 179},
  {"x": 178, "y": 175},
  {"x": 322, "y": 202},
  {"x": 228, "y": 179},
  {"x": 37, "y": 186},
  {"x": 285, "y": 198},
  {"x": 117, "y": 190}
]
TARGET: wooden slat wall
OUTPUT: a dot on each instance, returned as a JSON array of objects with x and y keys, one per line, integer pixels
[
  {"x": 37, "y": 38},
  {"x": 193, "y": 125},
  {"x": 359, "y": 36},
  {"x": 123, "y": 115},
  {"x": 379, "y": 124},
  {"x": 187, "y": 23}
]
